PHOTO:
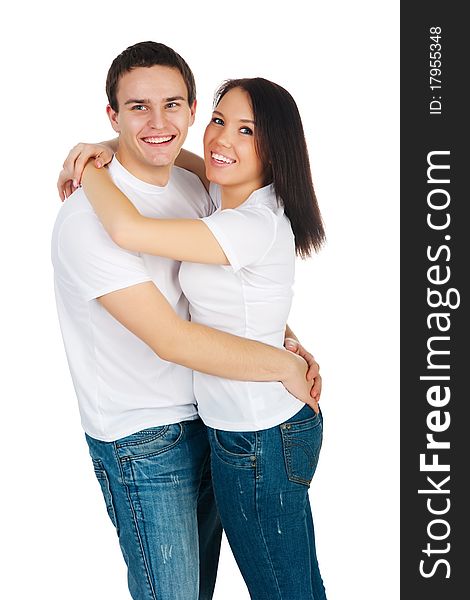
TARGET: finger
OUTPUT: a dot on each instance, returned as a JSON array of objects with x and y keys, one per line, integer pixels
[
  {"x": 64, "y": 186},
  {"x": 291, "y": 345},
  {"x": 310, "y": 359},
  {"x": 304, "y": 353},
  {"x": 313, "y": 369},
  {"x": 313, "y": 404},
  {"x": 104, "y": 157},
  {"x": 61, "y": 180},
  {"x": 71, "y": 161},
  {"x": 69, "y": 189},
  {"x": 72, "y": 157},
  {"x": 312, "y": 401},
  {"x": 316, "y": 388},
  {"x": 61, "y": 191},
  {"x": 66, "y": 174},
  {"x": 79, "y": 166}
]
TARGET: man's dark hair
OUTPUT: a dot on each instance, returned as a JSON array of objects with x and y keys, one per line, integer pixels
[{"x": 147, "y": 54}]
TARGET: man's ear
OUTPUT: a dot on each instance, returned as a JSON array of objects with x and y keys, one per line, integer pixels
[
  {"x": 113, "y": 117},
  {"x": 192, "y": 108}
]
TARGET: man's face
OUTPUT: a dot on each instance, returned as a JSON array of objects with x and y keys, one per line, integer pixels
[{"x": 152, "y": 122}]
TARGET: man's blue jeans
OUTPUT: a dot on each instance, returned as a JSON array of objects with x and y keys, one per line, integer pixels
[
  {"x": 158, "y": 493},
  {"x": 261, "y": 481}
]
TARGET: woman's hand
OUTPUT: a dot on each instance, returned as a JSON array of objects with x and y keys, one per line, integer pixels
[
  {"x": 297, "y": 383},
  {"x": 71, "y": 174}
]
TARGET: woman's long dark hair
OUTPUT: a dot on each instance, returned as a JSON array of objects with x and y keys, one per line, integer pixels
[{"x": 280, "y": 144}]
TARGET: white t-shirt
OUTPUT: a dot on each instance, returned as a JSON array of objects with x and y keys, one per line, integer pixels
[
  {"x": 121, "y": 384},
  {"x": 250, "y": 298}
]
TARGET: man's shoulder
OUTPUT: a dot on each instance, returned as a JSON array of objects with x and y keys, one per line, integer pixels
[
  {"x": 75, "y": 205},
  {"x": 193, "y": 190},
  {"x": 184, "y": 177},
  {"x": 77, "y": 220}
]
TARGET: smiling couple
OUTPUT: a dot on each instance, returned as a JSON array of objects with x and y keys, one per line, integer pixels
[{"x": 173, "y": 287}]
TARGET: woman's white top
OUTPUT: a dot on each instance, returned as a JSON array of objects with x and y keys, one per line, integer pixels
[{"x": 250, "y": 298}]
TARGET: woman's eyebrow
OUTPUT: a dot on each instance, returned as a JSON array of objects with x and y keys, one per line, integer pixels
[{"x": 217, "y": 112}]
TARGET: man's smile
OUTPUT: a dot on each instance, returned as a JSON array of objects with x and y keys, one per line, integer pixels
[{"x": 157, "y": 140}]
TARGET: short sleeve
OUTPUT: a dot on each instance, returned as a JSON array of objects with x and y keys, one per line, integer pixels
[
  {"x": 94, "y": 263},
  {"x": 244, "y": 234}
]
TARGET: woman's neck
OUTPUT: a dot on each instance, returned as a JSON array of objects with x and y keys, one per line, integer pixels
[{"x": 234, "y": 196}]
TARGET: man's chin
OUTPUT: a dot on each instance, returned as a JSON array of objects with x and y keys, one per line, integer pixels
[{"x": 161, "y": 160}]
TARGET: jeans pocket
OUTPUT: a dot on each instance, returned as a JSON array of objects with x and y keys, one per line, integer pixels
[
  {"x": 103, "y": 480},
  {"x": 301, "y": 441},
  {"x": 237, "y": 448},
  {"x": 148, "y": 442}
]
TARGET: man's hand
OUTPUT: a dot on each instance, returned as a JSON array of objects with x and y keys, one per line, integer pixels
[
  {"x": 71, "y": 174},
  {"x": 297, "y": 383},
  {"x": 313, "y": 367}
]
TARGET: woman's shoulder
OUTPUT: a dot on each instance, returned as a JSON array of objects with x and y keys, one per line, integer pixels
[{"x": 264, "y": 197}]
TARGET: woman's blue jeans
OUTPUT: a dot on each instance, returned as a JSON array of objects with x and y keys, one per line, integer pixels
[{"x": 261, "y": 481}]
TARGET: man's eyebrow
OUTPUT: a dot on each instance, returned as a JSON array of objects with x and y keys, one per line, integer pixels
[
  {"x": 217, "y": 112},
  {"x": 173, "y": 98},
  {"x": 148, "y": 101},
  {"x": 137, "y": 101}
]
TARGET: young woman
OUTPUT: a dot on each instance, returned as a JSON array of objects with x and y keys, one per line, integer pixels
[{"x": 237, "y": 273}]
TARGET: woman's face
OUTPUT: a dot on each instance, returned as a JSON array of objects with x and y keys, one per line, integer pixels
[{"x": 229, "y": 145}]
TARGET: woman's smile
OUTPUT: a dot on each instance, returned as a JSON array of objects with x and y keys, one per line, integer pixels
[
  {"x": 230, "y": 153},
  {"x": 221, "y": 159}
]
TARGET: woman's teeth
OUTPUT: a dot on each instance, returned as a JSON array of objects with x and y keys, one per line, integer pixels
[{"x": 222, "y": 158}]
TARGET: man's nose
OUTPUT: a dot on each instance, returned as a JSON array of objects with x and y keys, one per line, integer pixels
[{"x": 157, "y": 118}]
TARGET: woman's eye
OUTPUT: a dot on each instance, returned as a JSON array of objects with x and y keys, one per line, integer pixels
[
  {"x": 217, "y": 121},
  {"x": 246, "y": 131}
]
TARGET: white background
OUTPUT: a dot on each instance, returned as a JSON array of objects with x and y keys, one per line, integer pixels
[{"x": 340, "y": 62}]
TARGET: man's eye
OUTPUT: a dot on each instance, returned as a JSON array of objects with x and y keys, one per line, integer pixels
[
  {"x": 246, "y": 131},
  {"x": 217, "y": 121},
  {"x": 172, "y": 105},
  {"x": 139, "y": 107}
]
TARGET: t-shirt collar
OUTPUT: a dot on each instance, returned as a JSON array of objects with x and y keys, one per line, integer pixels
[
  {"x": 119, "y": 173},
  {"x": 265, "y": 195}
]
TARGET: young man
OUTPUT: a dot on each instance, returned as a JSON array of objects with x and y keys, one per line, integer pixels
[{"x": 131, "y": 348}]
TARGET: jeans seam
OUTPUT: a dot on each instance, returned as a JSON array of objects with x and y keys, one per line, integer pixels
[
  {"x": 136, "y": 528},
  {"x": 258, "y": 482},
  {"x": 102, "y": 475}
]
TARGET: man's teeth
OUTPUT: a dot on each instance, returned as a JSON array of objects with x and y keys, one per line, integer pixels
[
  {"x": 222, "y": 158},
  {"x": 158, "y": 140}
]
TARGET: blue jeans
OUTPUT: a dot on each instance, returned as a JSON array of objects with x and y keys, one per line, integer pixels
[
  {"x": 261, "y": 481},
  {"x": 158, "y": 492}
]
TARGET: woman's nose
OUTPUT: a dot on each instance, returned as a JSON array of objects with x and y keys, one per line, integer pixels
[{"x": 223, "y": 139}]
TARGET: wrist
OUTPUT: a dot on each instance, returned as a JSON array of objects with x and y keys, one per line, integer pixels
[{"x": 290, "y": 367}]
